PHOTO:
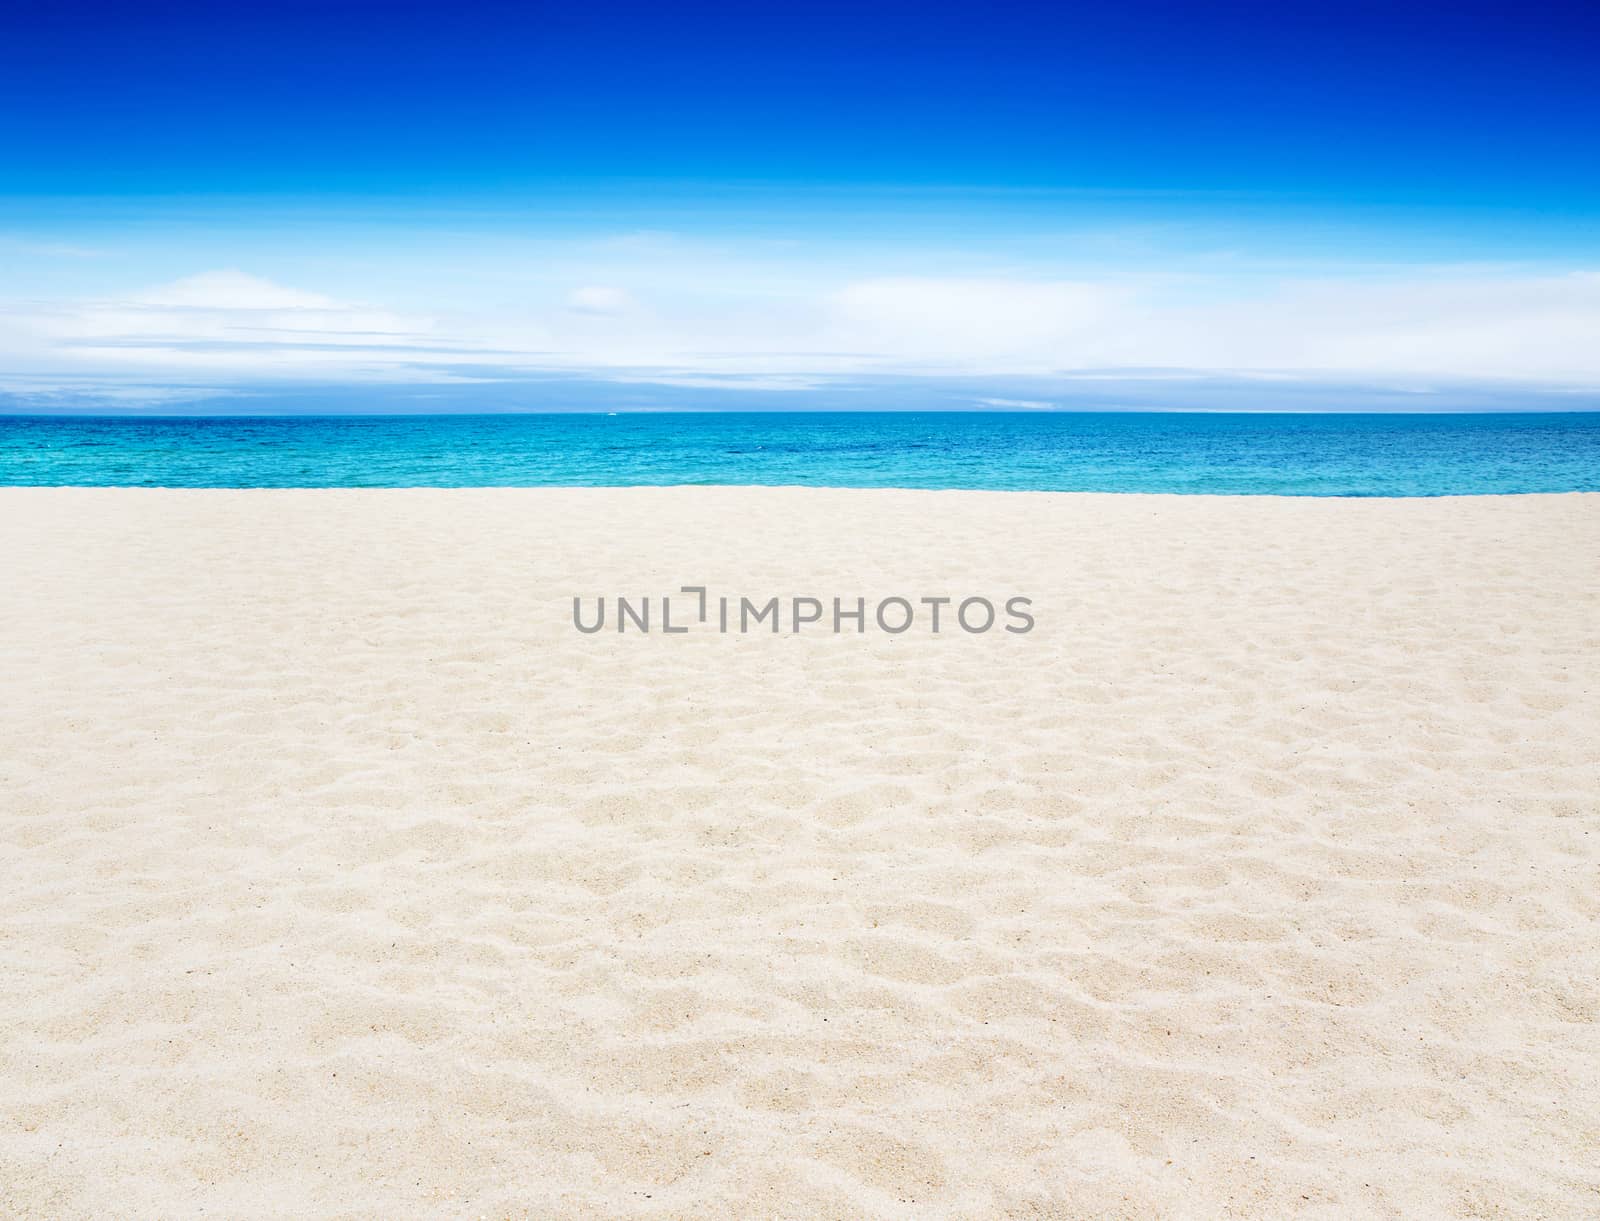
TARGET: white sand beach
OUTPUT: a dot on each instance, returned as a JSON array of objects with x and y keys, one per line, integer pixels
[{"x": 340, "y": 876}]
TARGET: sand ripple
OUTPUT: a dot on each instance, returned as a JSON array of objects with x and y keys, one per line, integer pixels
[{"x": 343, "y": 878}]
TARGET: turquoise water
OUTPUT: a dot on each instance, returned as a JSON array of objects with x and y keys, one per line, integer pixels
[{"x": 1296, "y": 455}]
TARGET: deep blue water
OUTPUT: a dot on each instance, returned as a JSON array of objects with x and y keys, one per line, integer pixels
[{"x": 1297, "y": 455}]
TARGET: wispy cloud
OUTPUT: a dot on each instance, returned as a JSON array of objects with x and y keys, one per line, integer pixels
[
  {"x": 791, "y": 324},
  {"x": 600, "y": 299},
  {"x": 49, "y": 250},
  {"x": 231, "y": 289}
]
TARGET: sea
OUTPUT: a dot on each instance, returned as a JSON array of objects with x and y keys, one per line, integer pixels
[{"x": 1252, "y": 453}]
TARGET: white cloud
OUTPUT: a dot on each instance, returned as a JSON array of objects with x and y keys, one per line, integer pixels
[
  {"x": 792, "y": 323},
  {"x": 1450, "y": 322},
  {"x": 233, "y": 290},
  {"x": 50, "y": 250},
  {"x": 957, "y": 321},
  {"x": 218, "y": 322},
  {"x": 599, "y": 299}
]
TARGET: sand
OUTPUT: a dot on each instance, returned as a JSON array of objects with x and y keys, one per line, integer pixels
[{"x": 341, "y": 876}]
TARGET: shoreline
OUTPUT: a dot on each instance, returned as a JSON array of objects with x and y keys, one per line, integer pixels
[{"x": 11, "y": 488}]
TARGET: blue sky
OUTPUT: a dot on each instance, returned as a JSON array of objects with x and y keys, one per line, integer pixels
[{"x": 209, "y": 198}]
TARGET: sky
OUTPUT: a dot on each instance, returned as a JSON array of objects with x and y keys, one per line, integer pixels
[{"x": 779, "y": 204}]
